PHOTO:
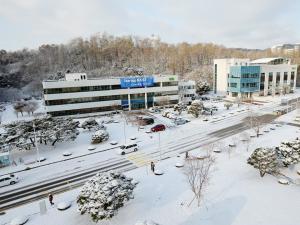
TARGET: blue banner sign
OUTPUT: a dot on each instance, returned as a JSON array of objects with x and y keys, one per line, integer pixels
[{"x": 133, "y": 82}]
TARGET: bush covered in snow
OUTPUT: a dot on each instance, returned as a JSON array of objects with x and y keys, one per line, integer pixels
[
  {"x": 92, "y": 124},
  {"x": 179, "y": 108},
  {"x": 265, "y": 160},
  {"x": 202, "y": 87},
  {"x": 289, "y": 152},
  {"x": 228, "y": 105},
  {"x": 195, "y": 108},
  {"x": 48, "y": 129},
  {"x": 104, "y": 194},
  {"x": 100, "y": 136}
]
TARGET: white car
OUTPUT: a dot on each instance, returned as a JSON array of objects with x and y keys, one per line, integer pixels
[
  {"x": 63, "y": 205},
  {"x": 67, "y": 153},
  {"x": 8, "y": 180},
  {"x": 127, "y": 148},
  {"x": 113, "y": 142},
  {"x": 92, "y": 147}
]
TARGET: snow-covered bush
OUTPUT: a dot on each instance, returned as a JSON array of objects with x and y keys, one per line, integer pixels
[
  {"x": 92, "y": 124},
  {"x": 202, "y": 87},
  {"x": 195, "y": 108},
  {"x": 48, "y": 129},
  {"x": 104, "y": 194},
  {"x": 100, "y": 136},
  {"x": 289, "y": 152},
  {"x": 228, "y": 105},
  {"x": 265, "y": 160},
  {"x": 179, "y": 108}
]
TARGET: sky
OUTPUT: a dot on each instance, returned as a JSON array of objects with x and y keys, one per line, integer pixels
[{"x": 232, "y": 23}]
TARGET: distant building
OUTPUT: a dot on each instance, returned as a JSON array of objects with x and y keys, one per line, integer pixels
[
  {"x": 187, "y": 91},
  {"x": 77, "y": 94},
  {"x": 244, "y": 78},
  {"x": 286, "y": 48}
]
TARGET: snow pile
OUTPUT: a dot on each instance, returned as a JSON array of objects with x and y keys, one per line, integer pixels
[
  {"x": 100, "y": 136},
  {"x": 146, "y": 222},
  {"x": 104, "y": 194},
  {"x": 265, "y": 160}
]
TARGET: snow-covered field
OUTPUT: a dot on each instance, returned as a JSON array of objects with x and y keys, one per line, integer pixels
[{"x": 236, "y": 195}]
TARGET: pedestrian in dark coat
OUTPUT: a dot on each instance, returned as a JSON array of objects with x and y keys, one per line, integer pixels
[
  {"x": 51, "y": 199},
  {"x": 186, "y": 154},
  {"x": 152, "y": 166}
]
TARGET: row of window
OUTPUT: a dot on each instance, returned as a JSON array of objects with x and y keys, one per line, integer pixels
[
  {"x": 285, "y": 76},
  {"x": 188, "y": 95},
  {"x": 243, "y": 85},
  {"x": 98, "y": 88},
  {"x": 94, "y": 110},
  {"x": 107, "y": 98},
  {"x": 250, "y": 75}
]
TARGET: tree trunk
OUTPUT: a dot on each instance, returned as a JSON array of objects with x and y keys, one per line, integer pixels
[
  {"x": 53, "y": 143},
  {"x": 31, "y": 140}
]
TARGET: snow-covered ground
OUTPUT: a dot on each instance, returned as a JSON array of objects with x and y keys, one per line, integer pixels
[{"x": 236, "y": 195}]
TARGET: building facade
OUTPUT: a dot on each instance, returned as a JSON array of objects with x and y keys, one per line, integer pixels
[
  {"x": 77, "y": 94},
  {"x": 243, "y": 81},
  {"x": 267, "y": 76},
  {"x": 187, "y": 91},
  {"x": 221, "y": 73}
]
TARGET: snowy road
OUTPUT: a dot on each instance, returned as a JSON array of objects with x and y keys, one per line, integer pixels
[{"x": 72, "y": 174}]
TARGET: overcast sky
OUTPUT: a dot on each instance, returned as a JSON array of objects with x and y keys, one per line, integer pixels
[{"x": 233, "y": 23}]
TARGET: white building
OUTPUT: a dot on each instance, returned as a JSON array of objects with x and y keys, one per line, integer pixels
[
  {"x": 187, "y": 91},
  {"x": 78, "y": 94},
  {"x": 277, "y": 75},
  {"x": 236, "y": 76},
  {"x": 221, "y": 72}
]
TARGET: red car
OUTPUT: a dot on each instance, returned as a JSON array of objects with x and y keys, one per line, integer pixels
[{"x": 158, "y": 127}]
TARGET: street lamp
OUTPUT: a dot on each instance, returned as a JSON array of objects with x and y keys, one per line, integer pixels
[{"x": 35, "y": 142}]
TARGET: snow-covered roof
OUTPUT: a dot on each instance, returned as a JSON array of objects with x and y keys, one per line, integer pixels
[{"x": 264, "y": 60}]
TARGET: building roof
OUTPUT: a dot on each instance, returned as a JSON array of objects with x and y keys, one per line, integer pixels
[{"x": 265, "y": 60}]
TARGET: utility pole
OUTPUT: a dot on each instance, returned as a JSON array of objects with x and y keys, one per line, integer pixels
[
  {"x": 36, "y": 144},
  {"x": 159, "y": 146}
]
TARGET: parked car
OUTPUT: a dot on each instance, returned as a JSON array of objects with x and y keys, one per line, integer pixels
[
  {"x": 146, "y": 121},
  {"x": 127, "y": 148},
  {"x": 158, "y": 127},
  {"x": 165, "y": 113},
  {"x": 8, "y": 180},
  {"x": 171, "y": 116},
  {"x": 180, "y": 121}
]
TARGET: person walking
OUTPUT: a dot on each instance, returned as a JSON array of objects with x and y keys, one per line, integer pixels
[
  {"x": 186, "y": 154},
  {"x": 51, "y": 199},
  {"x": 152, "y": 167}
]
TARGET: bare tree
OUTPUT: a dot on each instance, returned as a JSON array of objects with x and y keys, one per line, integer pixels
[
  {"x": 198, "y": 174},
  {"x": 245, "y": 138},
  {"x": 255, "y": 122}
]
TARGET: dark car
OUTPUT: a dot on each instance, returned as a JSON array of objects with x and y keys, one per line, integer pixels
[
  {"x": 148, "y": 121},
  {"x": 158, "y": 127}
]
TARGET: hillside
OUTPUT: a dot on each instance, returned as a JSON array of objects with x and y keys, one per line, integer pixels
[{"x": 103, "y": 55}]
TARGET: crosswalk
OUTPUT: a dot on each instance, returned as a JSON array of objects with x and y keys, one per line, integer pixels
[{"x": 139, "y": 159}]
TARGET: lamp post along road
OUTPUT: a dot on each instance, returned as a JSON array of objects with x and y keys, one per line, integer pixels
[{"x": 36, "y": 144}]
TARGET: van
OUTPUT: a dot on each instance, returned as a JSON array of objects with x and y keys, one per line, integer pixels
[
  {"x": 127, "y": 148},
  {"x": 8, "y": 180}
]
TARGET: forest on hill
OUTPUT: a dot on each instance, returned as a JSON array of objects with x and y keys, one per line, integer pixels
[{"x": 105, "y": 55}]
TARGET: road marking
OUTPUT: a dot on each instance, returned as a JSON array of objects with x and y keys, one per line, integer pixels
[{"x": 139, "y": 159}]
